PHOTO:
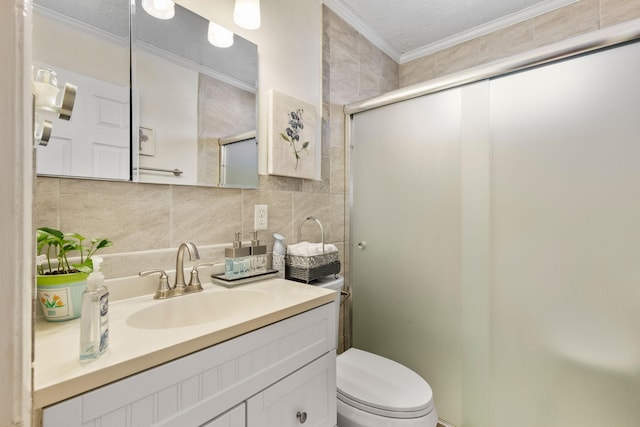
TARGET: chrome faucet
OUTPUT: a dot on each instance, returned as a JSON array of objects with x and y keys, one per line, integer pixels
[{"x": 180, "y": 287}]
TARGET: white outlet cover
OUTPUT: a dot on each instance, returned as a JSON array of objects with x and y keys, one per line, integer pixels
[{"x": 261, "y": 217}]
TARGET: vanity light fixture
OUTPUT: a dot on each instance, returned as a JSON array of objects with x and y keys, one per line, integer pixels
[
  {"x": 219, "y": 36},
  {"x": 46, "y": 90},
  {"x": 42, "y": 132},
  {"x": 246, "y": 14},
  {"x": 161, "y": 9},
  {"x": 46, "y": 93}
]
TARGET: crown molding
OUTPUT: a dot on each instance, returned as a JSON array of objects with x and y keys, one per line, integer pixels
[
  {"x": 482, "y": 30},
  {"x": 83, "y": 26},
  {"x": 345, "y": 13},
  {"x": 192, "y": 65}
]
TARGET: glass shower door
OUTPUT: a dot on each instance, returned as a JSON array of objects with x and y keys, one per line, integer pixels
[
  {"x": 495, "y": 234},
  {"x": 566, "y": 243},
  {"x": 405, "y": 234}
]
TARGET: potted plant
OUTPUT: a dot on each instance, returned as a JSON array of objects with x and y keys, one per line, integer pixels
[{"x": 61, "y": 283}]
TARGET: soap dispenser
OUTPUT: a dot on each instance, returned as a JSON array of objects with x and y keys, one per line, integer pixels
[
  {"x": 94, "y": 317},
  {"x": 237, "y": 260},
  {"x": 279, "y": 255},
  {"x": 258, "y": 255}
]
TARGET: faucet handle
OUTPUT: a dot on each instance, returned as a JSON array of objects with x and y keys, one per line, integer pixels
[
  {"x": 194, "y": 280},
  {"x": 164, "y": 289}
]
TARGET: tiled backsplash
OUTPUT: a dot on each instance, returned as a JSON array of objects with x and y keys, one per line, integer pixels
[{"x": 147, "y": 222}]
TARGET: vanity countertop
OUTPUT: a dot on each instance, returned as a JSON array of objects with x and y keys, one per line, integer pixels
[{"x": 58, "y": 373}]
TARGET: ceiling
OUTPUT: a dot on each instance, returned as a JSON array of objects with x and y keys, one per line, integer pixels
[{"x": 409, "y": 29}]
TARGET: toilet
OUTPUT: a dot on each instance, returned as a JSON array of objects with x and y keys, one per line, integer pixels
[{"x": 374, "y": 391}]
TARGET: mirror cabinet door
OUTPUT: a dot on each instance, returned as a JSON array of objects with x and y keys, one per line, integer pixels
[
  {"x": 155, "y": 98},
  {"x": 86, "y": 44}
]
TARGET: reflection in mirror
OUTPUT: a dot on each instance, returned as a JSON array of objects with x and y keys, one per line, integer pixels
[
  {"x": 86, "y": 43},
  {"x": 186, "y": 94},
  {"x": 190, "y": 94},
  {"x": 238, "y": 165}
]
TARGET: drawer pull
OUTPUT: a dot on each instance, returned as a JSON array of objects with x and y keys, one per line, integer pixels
[{"x": 302, "y": 417}]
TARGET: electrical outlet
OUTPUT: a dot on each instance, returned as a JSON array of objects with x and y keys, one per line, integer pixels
[{"x": 261, "y": 217}]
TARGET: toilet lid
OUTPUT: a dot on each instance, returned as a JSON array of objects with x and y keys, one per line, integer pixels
[{"x": 381, "y": 386}]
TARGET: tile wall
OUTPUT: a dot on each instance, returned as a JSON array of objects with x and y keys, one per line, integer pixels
[{"x": 353, "y": 69}]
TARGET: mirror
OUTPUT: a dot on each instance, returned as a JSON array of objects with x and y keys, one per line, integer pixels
[
  {"x": 86, "y": 44},
  {"x": 189, "y": 96},
  {"x": 187, "y": 99}
]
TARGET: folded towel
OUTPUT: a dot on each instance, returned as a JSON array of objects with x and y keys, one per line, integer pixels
[{"x": 310, "y": 249}]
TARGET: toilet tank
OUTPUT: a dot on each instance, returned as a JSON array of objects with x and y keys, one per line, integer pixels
[{"x": 334, "y": 282}]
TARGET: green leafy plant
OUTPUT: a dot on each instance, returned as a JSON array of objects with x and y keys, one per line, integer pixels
[{"x": 54, "y": 244}]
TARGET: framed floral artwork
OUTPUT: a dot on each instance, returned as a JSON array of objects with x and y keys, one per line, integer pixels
[{"x": 292, "y": 137}]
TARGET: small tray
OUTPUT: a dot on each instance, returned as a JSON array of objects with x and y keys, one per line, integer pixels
[{"x": 220, "y": 279}]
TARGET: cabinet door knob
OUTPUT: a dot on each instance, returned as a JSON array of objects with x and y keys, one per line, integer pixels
[
  {"x": 362, "y": 245},
  {"x": 302, "y": 417}
]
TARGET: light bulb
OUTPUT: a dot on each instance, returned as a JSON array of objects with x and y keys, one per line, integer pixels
[
  {"x": 246, "y": 14},
  {"x": 219, "y": 36},
  {"x": 161, "y": 9},
  {"x": 161, "y": 4}
]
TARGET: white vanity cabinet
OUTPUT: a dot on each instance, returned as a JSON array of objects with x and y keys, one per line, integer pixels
[
  {"x": 262, "y": 378},
  {"x": 307, "y": 397},
  {"x": 235, "y": 417}
]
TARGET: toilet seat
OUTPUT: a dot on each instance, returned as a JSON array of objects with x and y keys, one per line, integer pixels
[{"x": 380, "y": 386}]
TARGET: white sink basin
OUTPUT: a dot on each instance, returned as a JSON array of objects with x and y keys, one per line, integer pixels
[{"x": 197, "y": 308}]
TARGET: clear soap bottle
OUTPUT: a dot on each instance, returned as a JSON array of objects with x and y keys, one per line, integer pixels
[
  {"x": 258, "y": 255},
  {"x": 94, "y": 317},
  {"x": 279, "y": 255},
  {"x": 237, "y": 260}
]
